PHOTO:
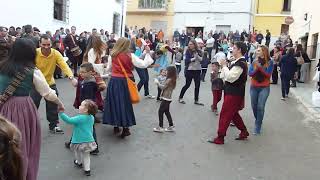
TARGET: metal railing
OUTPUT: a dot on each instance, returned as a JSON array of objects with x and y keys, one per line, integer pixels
[{"x": 152, "y": 4}]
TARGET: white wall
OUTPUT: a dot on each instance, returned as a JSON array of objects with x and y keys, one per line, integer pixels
[
  {"x": 39, "y": 13},
  {"x": 208, "y": 14},
  {"x": 210, "y": 20},
  {"x": 213, "y": 5}
]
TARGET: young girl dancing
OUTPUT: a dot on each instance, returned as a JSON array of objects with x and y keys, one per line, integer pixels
[
  {"x": 82, "y": 141},
  {"x": 166, "y": 97}
]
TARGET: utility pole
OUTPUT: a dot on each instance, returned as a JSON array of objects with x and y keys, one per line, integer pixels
[{"x": 123, "y": 17}]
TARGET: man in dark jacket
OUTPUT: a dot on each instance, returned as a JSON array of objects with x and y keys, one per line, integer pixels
[
  {"x": 71, "y": 41},
  {"x": 5, "y": 43},
  {"x": 29, "y": 35},
  {"x": 268, "y": 38}
]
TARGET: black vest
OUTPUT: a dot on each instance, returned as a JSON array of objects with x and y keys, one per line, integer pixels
[{"x": 238, "y": 88}]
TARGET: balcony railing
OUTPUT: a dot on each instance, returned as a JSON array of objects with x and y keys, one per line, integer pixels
[{"x": 153, "y": 4}]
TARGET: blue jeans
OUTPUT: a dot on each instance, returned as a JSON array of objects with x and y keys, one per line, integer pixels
[
  {"x": 259, "y": 96},
  {"x": 144, "y": 80}
]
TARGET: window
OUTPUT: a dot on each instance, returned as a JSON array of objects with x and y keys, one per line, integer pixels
[
  {"x": 116, "y": 23},
  {"x": 60, "y": 10},
  {"x": 152, "y": 4},
  {"x": 286, "y": 5},
  {"x": 314, "y": 45}
]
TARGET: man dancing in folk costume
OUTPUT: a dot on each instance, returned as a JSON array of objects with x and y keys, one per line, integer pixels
[{"x": 235, "y": 78}]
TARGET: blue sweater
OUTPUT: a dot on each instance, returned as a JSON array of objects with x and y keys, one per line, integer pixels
[{"x": 82, "y": 127}]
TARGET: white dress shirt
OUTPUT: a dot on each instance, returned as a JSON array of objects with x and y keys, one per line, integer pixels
[{"x": 233, "y": 74}]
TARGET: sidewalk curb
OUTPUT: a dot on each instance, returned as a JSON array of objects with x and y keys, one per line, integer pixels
[{"x": 309, "y": 107}]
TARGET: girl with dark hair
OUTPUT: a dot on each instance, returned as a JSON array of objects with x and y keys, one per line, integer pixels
[
  {"x": 10, "y": 153},
  {"x": 193, "y": 58},
  {"x": 20, "y": 67},
  {"x": 260, "y": 72},
  {"x": 276, "y": 59},
  {"x": 288, "y": 68},
  {"x": 166, "y": 97}
]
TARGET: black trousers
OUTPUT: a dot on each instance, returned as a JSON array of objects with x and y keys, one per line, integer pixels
[
  {"x": 203, "y": 74},
  {"x": 51, "y": 108},
  {"x": 275, "y": 74},
  {"x": 293, "y": 80},
  {"x": 159, "y": 93},
  {"x": 144, "y": 80},
  {"x": 192, "y": 75},
  {"x": 165, "y": 109},
  {"x": 285, "y": 85}
]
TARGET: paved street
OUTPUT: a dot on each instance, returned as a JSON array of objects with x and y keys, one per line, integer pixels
[{"x": 287, "y": 150}]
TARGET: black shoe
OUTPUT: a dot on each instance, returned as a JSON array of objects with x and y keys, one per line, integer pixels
[
  {"x": 116, "y": 130},
  {"x": 95, "y": 152},
  {"x": 56, "y": 130},
  {"x": 67, "y": 144},
  {"x": 198, "y": 103},
  {"x": 125, "y": 133},
  {"x": 77, "y": 164},
  {"x": 87, "y": 173}
]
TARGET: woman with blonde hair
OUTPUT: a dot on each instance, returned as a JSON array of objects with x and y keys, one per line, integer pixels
[
  {"x": 260, "y": 72},
  {"x": 118, "y": 110}
]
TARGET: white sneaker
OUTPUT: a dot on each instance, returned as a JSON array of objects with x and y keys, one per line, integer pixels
[
  {"x": 283, "y": 99},
  {"x": 158, "y": 129},
  {"x": 150, "y": 96},
  {"x": 170, "y": 129}
]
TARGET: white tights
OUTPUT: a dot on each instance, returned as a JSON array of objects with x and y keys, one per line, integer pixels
[{"x": 83, "y": 158}]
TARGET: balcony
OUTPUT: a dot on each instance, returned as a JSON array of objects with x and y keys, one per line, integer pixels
[{"x": 148, "y": 6}]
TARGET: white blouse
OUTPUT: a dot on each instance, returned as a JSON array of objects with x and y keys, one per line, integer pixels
[
  {"x": 99, "y": 68},
  {"x": 42, "y": 86},
  {"x": 137, "y": 62}
]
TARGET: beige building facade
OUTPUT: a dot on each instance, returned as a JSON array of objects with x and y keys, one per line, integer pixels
[
  {"x": 151, "y": 14},
  {"x": 306, "y": 28}
]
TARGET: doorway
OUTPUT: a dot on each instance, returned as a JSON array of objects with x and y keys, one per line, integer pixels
[{"x": 195, "y": 30}]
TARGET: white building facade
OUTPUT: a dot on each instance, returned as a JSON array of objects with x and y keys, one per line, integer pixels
[
  {"x": 306, "y": 28},
  {"x": 52, "y": 14},
  {"x": 218, "y": 15}
]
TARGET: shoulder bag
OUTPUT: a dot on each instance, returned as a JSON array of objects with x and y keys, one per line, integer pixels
[
  {"x": 76, "y": 51},
  {"x": 132, "y": 87},
  {"x": 300, "y": 59},
  {"x": 13, "y": 86}
]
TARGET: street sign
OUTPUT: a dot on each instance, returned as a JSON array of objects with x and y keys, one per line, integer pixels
[{"x": 289, "y": 20}]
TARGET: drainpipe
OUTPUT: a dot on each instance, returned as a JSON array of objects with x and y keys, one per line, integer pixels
[{"x": 123, "y": 17}]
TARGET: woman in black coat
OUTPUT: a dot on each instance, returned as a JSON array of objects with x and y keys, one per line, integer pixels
[{"x": 288, "y": 68}]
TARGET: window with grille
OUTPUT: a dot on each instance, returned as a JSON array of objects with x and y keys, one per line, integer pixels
[
  {"x": 286, "y": 5},
  {"x": 61, "y": 10},
  {"x": 314, "y": 46},
  {"x": 152, "y": 4},
  {"x": 116, "y": 23}
]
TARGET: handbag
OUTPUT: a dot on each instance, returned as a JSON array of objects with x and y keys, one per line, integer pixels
[
  {"x": 132, "y": 87},
  {"x": 300, "y": 59},
  {"x": 13, "y": 86},
  {"x": 76, "y": 51}
]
